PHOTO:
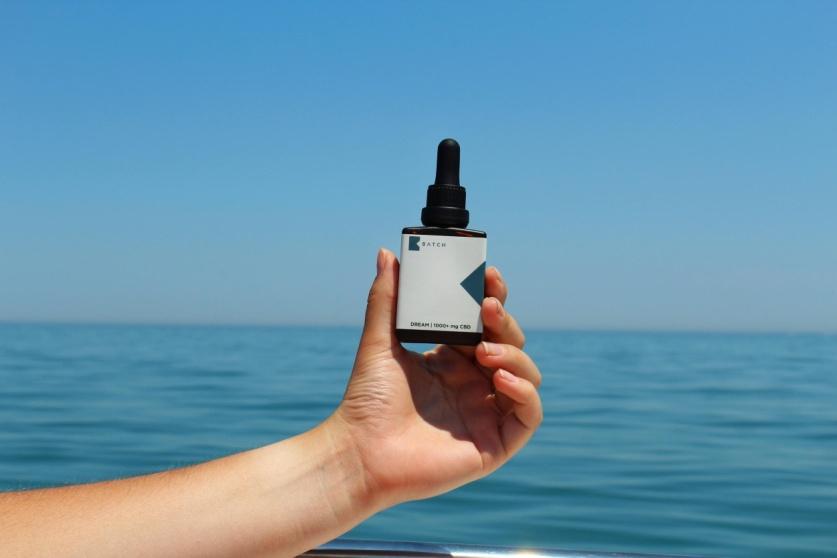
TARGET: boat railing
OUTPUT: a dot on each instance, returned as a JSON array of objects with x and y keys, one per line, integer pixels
[{"x": 351, "y": 548}]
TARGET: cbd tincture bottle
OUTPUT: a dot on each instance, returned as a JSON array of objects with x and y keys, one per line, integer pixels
[{"x": 440, "y": 285}]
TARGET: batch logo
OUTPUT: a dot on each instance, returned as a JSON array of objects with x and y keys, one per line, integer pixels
[{"x": 415, "y": 243}]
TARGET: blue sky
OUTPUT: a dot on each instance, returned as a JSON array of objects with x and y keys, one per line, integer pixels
[{"x": 643, "y": 165}]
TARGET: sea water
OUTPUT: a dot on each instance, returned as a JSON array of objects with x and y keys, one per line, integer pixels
[{"x": 716, "y": 444}]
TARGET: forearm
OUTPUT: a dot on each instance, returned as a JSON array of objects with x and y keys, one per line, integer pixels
[{"x": 278, "y": 500}]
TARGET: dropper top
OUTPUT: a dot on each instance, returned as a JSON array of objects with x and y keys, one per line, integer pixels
[
  {"x": 447, "y": 162},
  {"x": 446, "y": 198}
]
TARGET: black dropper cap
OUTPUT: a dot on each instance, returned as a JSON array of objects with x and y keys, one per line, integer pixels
[{"x": 446, "y": 198}]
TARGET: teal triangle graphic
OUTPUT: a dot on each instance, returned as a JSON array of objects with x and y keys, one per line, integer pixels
[{"x": 475, "y": 283}]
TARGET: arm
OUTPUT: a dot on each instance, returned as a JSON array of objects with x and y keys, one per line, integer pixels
[
  {"x": 278, "y": 500},
  {"x": 410, "y": 426}
]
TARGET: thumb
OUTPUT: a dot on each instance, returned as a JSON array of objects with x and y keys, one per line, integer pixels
[{"x": 379, "y": 327}]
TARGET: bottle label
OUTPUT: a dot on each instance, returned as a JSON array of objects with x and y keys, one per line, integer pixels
[{"x": 441, "y": 283}]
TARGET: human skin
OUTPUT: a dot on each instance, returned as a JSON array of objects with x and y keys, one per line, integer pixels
[{"x": 409, "y": 426}]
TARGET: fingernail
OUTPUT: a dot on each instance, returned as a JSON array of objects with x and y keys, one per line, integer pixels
[
  {"x": 507, "y": 376},
  {"x": 492, "y": 349},
  {"x": 499, "y": 275},
  {"x": 380, "y": 262},
  {"x": 500, "y": 311}
]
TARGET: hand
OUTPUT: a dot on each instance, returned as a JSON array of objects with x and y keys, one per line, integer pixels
[{"x": 423, "y": 424}]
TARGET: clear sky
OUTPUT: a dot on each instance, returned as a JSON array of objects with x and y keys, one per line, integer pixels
[{"x": 645, "y": 165}]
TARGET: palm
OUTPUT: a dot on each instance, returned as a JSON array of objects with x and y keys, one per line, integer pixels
[{"x": 427, "y": 419}]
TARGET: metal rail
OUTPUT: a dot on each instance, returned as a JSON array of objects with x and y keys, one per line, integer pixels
[{"x": 348, "y": 548}]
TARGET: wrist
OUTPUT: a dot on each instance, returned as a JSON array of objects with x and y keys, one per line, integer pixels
[
  {"x": 342, "y": 460},
  {"x": 315, "y": 482}
]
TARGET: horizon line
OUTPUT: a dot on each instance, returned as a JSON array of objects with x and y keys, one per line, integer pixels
[{"x": 302, "y": 325}]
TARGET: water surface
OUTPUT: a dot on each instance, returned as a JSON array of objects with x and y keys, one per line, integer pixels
[{"x": 717, "y": 444}]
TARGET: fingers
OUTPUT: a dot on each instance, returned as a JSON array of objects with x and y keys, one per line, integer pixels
[
  {"x": 526, "y": 414},
  {"x": 379, "y": 326},
  {"x": 495, "y": 285},
  {"x": 499, "y": 325},
  {"x": 527, "y": 403},
  {"x": 492, "y": 356},
  {"x": 508, "y": 357}
]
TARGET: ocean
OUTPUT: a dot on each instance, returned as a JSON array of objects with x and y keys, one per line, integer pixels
[{"x": 689, "y": 443}]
